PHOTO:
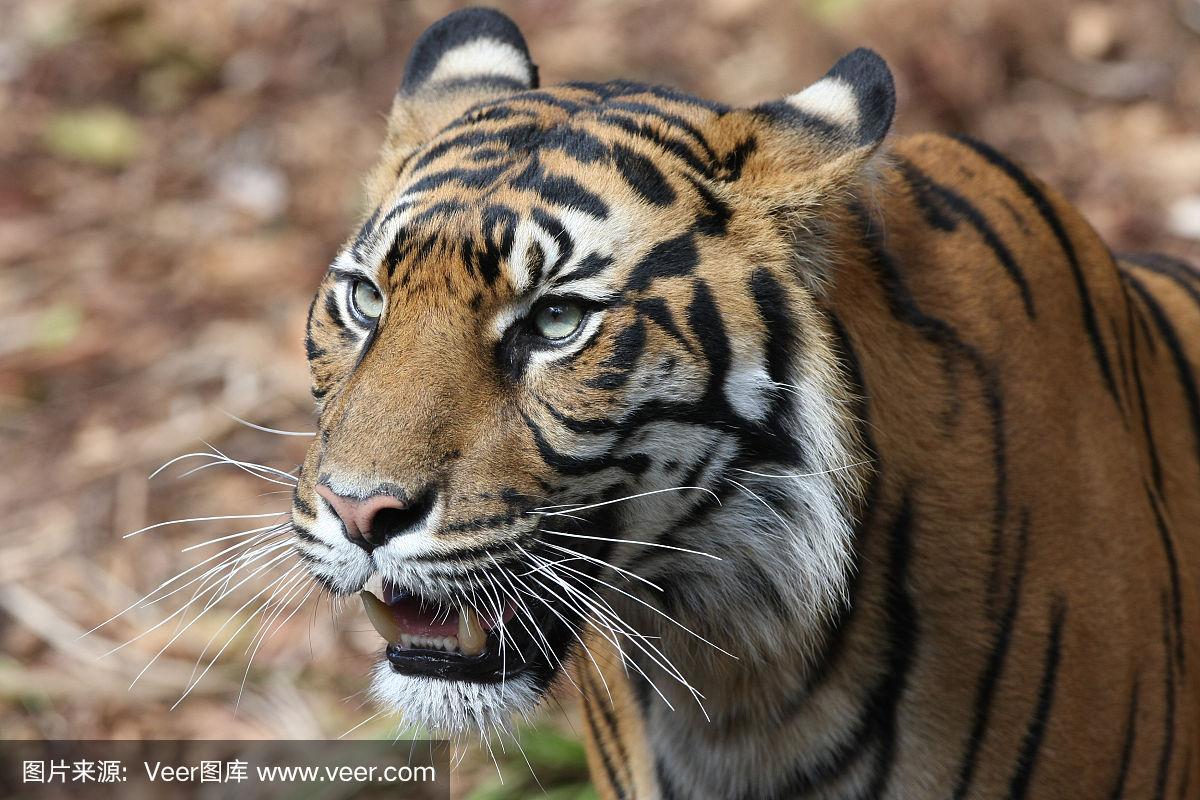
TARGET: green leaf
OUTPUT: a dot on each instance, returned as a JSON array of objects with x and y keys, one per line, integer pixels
[
  {"x": 548, "y": 749},
  {"x": 103, "y": 136},
  {"x": 57, "y": 326}
]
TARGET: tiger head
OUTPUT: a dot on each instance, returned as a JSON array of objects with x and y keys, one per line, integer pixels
[{"x": 573, "y": 378}]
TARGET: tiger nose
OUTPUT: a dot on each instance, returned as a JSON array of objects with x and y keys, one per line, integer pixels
[{"x": 372, "y": 521}]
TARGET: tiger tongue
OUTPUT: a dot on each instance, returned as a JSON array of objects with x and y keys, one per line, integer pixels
[{"x": 471, "y": 640}]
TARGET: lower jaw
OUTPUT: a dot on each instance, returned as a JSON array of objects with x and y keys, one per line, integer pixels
[
  {"x": 509, "y": 653},
  {"x": 455, "y": 708},
  {"x": 493, "y": 666}
]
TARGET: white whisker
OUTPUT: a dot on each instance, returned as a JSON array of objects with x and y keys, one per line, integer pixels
[{"x": 265, "y": 429}]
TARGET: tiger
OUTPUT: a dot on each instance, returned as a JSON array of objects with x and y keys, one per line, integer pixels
[{"x": 817, "y": 462}]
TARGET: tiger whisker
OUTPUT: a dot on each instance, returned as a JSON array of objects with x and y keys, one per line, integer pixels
[
  {"x": 786, "y": 525},
  {"x": 604, "y": 563},
  {"x": 212, "y": 603},
  {"x": 251, "y": 467},
  {"x": 653, "y": 608},
  {"x": 251, "y": 532},
  {"x": 203, "y": 519},
  {"x": 625, "y": 499},
  {"x": 634, "y": 541},
  {"x": 267, "y": 631},
  {"x": 539, "y": 639},
  {"x": 612, "y": 632},
  {"x": 270, "y": 587},
  {"x": 145, "y": 599},
  {"x": 265, "y": 429},
  {"x": 578, "y": 638},
  {"x": 244, "y": 466},
  {"x": 655, "y": 655},
  {"x": 818, "y": 473},
  {"x": 366, "y": 721},
  {"x": 211, "y": 573}
]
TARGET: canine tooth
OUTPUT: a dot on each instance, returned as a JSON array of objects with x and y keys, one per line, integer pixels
[
  {"x": 380, "y": 616},
  {"x": 471, "y": 638}
]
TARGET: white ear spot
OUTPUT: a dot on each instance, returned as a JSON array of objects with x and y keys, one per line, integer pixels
[
  {"x": 482, "y": 58},
  {"x": 829, "y": 99}
]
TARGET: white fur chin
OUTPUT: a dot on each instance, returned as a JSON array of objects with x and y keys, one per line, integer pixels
[{"x": 452, "y": 708}]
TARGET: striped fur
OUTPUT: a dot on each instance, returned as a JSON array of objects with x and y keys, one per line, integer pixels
[{"x": 947, "y": 447}]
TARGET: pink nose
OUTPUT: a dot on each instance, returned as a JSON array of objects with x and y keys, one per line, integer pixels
[{"x": 369, "y": 522}]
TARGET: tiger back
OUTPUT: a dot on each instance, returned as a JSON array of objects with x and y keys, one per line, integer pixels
[{"x": 1023, "y": 614}]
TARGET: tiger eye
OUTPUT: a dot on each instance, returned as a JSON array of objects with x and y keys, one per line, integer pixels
[
  {"x": 367, "y": 300},
  {"x": 558, "y": 319}
]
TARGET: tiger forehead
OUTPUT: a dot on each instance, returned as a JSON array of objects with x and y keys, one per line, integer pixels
[{"x": 539, "y": 182}]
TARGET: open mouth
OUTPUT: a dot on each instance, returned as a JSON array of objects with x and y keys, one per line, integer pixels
[{"x": 460, "y": 642}]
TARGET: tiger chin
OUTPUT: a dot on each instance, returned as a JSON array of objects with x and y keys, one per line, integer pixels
[{"x": 814, "y": 466}]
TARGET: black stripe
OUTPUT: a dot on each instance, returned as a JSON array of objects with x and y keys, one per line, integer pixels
[
  {"x": 1035, "y": 731},
  {"x": 1180, "y": 272},
  {"x": 1164, "y": 759},
  {"x": 667, "y": 259},
  {"x": 904, "y": 307},
  {"x": 627, "y": 348},
  {"x": 942, "y": 205},
  {"x": 560, "y": 190},
  {"x": 1168, "y": 543},
  {"x": 646, "y": 179},
  {"x": 561, "y": 237},
  {"x": 1047, "y": 212},
  {"x": 657, "y": 311},
  {"x": 1127, "y": 745},
  {"x": 989, "y": 682},
  {"x": 1183, "y": 368},
  {"x": 589, "y": 266},
  {"x": 303, "y": 505},
  {"x": 1147, "y": 431},
  {"x": 589, "y": 697}
]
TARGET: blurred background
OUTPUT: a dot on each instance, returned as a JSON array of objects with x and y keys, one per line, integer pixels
[{"x": 175, "y": 175}]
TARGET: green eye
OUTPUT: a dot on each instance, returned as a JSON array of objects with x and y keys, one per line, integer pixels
[
  {"x": 367, "y": 300},
  {"x": 558, "y": 319}
]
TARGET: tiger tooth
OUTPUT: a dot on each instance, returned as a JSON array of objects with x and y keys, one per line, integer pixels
[
  {"x": 381, "y": 617},
  {"x": 471, "y": 638}
]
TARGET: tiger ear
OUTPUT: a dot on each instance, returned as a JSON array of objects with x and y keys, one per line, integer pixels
[
  {"x": 465, "y": 58},
  {"x": 819, "y": 138},
  {"x": 849, "y": 109}
]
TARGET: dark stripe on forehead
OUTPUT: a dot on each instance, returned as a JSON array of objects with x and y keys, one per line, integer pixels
[
  {"x": 713, "y": 219},
  {"x": 479, "y": 178},
  {"x": 668, "y": 259},
  {"x": 511, "y": 138},
  {"x": 642, "y": 176},
  {"x": 561, "y": 190},
  {"x": 589, "y": 266},
  {"x": 637, "y": 127},
  {"x": 566, "y": 244}
]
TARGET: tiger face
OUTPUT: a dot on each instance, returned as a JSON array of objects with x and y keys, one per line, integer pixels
[{"x": 572, "y": 379}]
